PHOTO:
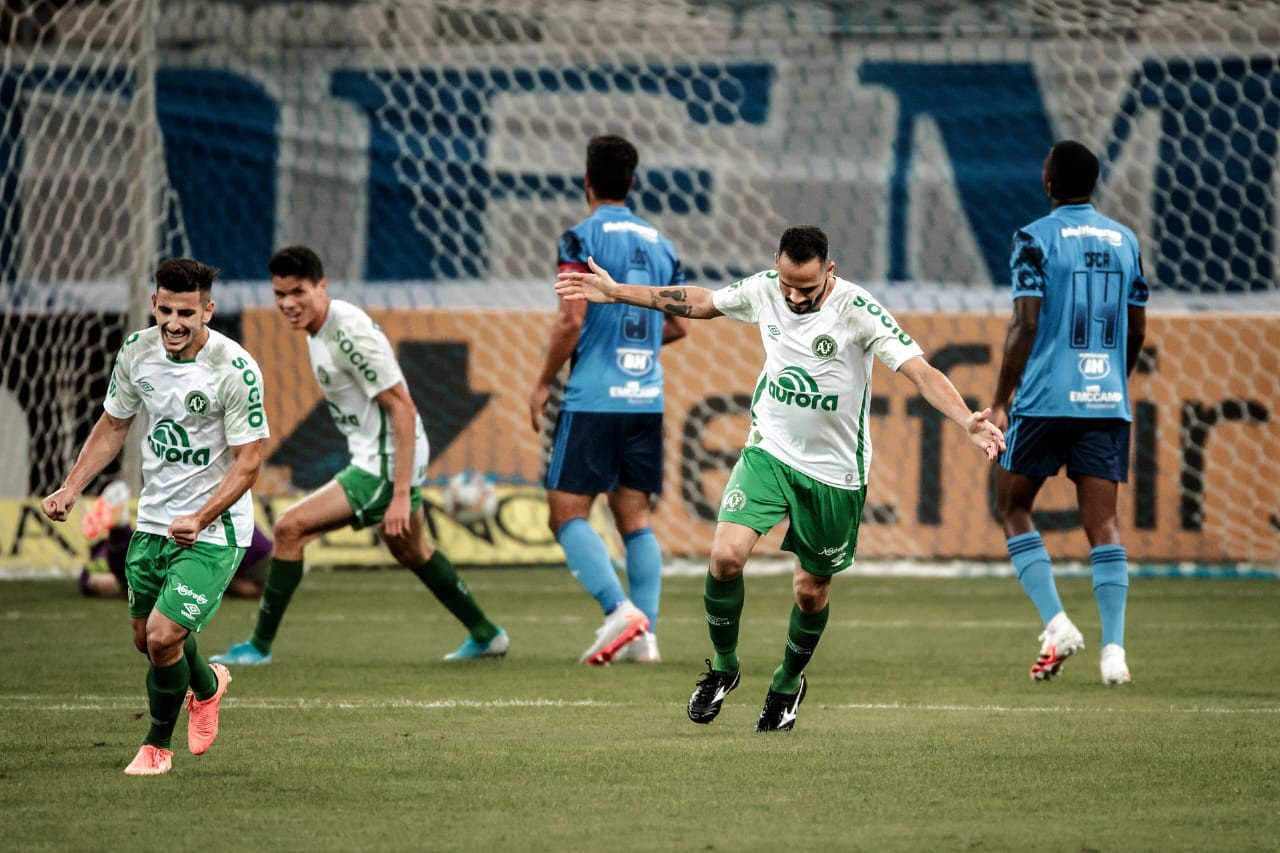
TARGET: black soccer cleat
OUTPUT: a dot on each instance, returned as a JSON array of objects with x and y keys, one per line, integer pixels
[
  {"x": 708, "y": 696},
  {"x": 779, "y": 714}
]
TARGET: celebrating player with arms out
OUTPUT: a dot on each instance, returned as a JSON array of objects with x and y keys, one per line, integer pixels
[
  {"x": 1079, "y": 319},
  {"x": 808, "y": 452},
  {"x": 205, "y": 422},
  {"x": 361, "y": 380}
]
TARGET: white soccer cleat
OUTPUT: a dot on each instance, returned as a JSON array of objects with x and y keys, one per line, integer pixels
[
  {"x": 1114, "y": 668},
  {"x": 1059, "y": 641},
  {"x": 620, "y": 627},
  {"x": 643, "y": 649}
]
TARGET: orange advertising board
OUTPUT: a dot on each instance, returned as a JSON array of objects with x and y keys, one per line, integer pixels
[{"x": 1204, "y": 481}]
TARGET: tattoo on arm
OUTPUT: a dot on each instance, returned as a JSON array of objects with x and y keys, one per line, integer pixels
[
  {"x": 676, "y": 310},
  {"x": 674, "y": 295}
]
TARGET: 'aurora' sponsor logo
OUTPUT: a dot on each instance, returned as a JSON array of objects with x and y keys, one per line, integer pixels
[
  {"x": 795, "y": 387},
  {"x": 169, "y": 441}
]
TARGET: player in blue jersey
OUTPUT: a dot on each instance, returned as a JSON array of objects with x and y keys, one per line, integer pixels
[
  {"x": 608, "y": 437},
  {"x": 1079, "y": 320}
]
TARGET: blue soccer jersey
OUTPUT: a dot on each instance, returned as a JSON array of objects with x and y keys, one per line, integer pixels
[
  {"x": 615, "y": 365},
  {"x": 1087, "y": 270}
]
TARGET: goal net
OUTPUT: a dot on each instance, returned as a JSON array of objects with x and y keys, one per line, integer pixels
[{"x": 432, "y": 152}]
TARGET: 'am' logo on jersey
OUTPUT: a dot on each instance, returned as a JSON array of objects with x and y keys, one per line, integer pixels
[
  {"x": 795, "y": 387},
  {"x": 169, "y": 441},
  {"x": 1094, "y": 365}
]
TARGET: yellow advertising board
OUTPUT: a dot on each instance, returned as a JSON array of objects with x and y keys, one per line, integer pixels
[{"x": 516, "y": 535}]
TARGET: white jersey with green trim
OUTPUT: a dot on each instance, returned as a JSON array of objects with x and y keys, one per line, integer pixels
[
  {"x": 811, "y": 405},
  {"x": 353, "y": 362},
  {"x": 196, "y": 411}
]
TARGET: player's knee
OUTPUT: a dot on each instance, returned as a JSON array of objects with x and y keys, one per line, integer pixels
[
  {"x": 727, "y": 562},
  {"x": 287, "y": 531},
  {"x": 164, "y": 645},
  {"x": 140, "y": 641},
  {"x": 811, "y": 595}
]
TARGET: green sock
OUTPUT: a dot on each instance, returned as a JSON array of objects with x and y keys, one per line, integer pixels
[
  {"x": 723, "y": 600},
  {"x": 282, "y": 579},
  {"x": 802, "y": 638},
  {"x": 166, "y": 688},
  {"x": 442, "y": 579},
  {"x": 203, "y": 682}
]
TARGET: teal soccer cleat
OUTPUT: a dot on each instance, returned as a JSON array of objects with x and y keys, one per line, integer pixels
[
  {"x": 495, "y": 648},
  {"x": 242, "y": 654}
]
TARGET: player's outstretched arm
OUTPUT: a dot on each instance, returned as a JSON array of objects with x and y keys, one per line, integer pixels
[
  {"x": 245, "y": 465},
  {"x": 104, "y": 444},
  {"x": 599, "y": 286},
  {"x": 937, "y": 389}
]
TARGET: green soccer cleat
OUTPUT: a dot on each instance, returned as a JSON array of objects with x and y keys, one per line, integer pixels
[
  {"x": 242, "y": 654},
  {"x": 495, "y": 648}
]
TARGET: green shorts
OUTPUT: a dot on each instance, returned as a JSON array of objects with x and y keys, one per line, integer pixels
[
  {"x": 185, "y": 584},
  {"x": 369, "y": 495},
  {"x": 824, "y": 520}
]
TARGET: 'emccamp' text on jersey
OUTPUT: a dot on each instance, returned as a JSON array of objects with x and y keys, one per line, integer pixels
[
  {"x": 196, "y": 411},
  {"x": 1087, "y": 269},
  {"x": 353, "y": 362},
  {"x": 811, "y": 404},
  {"x": 615, "y": 365}
]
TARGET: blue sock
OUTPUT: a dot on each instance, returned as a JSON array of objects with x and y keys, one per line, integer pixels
[
  {"x": 1111, "y": 589},
  {"x": 644, "y": 572},
  {"x": 589, "y": 561},
  {"x": 1035, "y": 573}
]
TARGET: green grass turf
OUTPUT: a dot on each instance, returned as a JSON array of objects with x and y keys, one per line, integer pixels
[{"x": 921, "y": 729}]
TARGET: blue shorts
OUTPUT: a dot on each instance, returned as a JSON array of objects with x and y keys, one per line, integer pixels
[
  {"x": 1090, "y": 447},
  {"x": 596, "y": 452}
]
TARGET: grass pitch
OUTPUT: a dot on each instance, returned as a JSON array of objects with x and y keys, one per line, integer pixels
[{"x": 921, "y": 730}]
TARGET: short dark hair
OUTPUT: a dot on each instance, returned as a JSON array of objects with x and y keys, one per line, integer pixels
[
  {"x": 296, "y": 262},
  {"x": 611, "y": 166},
  {"x": 803, "y": 243},
  {"x": 1072, "y": 170},
  {"x": 185, "y": 275}
]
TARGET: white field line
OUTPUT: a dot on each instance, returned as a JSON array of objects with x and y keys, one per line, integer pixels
[{"x": 138, "y": 703}]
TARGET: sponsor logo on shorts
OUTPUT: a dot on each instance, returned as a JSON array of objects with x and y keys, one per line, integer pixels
[
  {"x": 795, "y": 387},
  {"x": 130, "y": 591},
  {"x": 197, "y": 403},
  {"x": 839, "y": 549},
  {"x": 188, "y": 592},
  {"x": 169, "y": 441},
  {"x": 824, "y": 347},
  {"x": 734, "y": 500},
  {"x": 190, "y": 608},
  {"x": 1094, "y": 365}
]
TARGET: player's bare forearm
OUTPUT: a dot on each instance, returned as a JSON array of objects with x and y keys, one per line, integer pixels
[
  {"x": 688, "y": 301},
  {"x": 399, "y": 407},
  {"x": 245, "y": 466},
  {"x": 103, "y": 445},
  {"x": 564, "y": 337},
  {"x": 1137, "y": 337},
  {"x": 575, "y": 286},
  {"x": 938, "y": 391},
  {"x": 1017, "y": 348}
]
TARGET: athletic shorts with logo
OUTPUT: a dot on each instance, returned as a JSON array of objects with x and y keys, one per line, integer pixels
[
  {"x": 595, "y": 452},
  {"x": 1090, "y": 447},
  {"x": 185, "y": 584},
  {"x": 823, "y": 535},
  {"x": 369, "y": 495}
]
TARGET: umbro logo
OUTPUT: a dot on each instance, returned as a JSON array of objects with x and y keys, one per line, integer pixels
[{"x": 192, "y": 610}]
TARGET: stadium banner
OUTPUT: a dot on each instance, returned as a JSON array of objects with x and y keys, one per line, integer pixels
[
  {"x": 516, "y": 535},
  {"x": 1206, "y": 437}
]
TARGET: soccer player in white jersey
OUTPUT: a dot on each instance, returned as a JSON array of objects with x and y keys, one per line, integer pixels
[
  {"x": 808, "y": 452},
  {"x": 357, "y": 370},
  {"x": 204, "y": 423}
]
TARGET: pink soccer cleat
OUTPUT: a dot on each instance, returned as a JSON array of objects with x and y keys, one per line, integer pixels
[
  {"x": 150, "y": 761},
  {"x": 202, "y": 724}
]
